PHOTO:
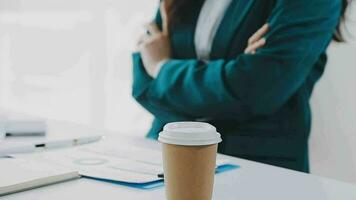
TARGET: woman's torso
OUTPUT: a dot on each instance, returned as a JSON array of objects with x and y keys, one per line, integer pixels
[{"x": 280, "y": 138}]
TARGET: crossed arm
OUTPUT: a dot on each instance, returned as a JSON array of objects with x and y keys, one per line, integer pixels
[{"x": 251, "y": 84}]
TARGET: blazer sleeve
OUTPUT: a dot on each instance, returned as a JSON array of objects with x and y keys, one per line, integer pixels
[
  {"x": 249, "y": 85},
  {"x": 142, "y": 82}
]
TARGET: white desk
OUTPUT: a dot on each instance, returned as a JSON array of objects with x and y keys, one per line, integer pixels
[{"x": 253, "y": 181}]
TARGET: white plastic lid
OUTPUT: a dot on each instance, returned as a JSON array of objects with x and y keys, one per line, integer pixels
[{"x": 189, "y": 134}]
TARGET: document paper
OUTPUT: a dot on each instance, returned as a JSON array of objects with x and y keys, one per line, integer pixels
[{"x": 108, "y": 160}]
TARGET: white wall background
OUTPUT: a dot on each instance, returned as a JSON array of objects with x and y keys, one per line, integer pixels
[
  {"x": 70, "y": 60},
  {"x": 333, "y": 142}
]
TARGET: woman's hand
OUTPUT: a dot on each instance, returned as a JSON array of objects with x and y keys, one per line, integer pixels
[
  {"x": 155, "y": 45},
  {"x": 257, "y": 40}
]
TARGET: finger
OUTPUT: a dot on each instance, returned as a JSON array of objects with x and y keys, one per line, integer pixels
[
  {"x": 142, "y": 39},
  {"x": 152, "y": 28},
  {"x": 139, "y": 42},
  {"x": 255, "y": 46},
  {"x": 251, "y": 49},
  {"x": 259, "y": 34},
  {"x": 164, "y": 16}
]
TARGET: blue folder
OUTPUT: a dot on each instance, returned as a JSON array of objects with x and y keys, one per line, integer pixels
[{"x": 160, "y": 182}]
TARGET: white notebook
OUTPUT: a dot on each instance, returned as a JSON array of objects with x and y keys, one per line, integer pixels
[{"x": 18, "y": 175}]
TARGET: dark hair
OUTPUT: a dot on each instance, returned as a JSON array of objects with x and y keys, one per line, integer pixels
[
  {"x": 178, "y": 6},
  {"x": 174, "y": 9},
  {"x": 338, "y": 33}
]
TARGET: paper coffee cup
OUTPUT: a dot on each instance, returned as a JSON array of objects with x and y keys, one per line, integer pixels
[{"x": 189, "y": 158}]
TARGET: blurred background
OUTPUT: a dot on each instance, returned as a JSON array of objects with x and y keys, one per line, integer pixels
[{"x": 70, "y": 60}]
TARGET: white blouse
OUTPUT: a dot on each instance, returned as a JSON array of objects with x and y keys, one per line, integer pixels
[{"x": 209, "y": 20}]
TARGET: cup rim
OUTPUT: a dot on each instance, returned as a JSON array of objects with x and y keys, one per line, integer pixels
[{"x": 189, "y": 134}]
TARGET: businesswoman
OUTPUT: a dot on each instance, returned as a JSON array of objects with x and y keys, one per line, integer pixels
[{"x": 246, "y": 66}]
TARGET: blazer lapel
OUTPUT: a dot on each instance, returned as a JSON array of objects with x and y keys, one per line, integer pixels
[
  {"x": 182, "y": 37},
  {"x": 229, "y": 25}
]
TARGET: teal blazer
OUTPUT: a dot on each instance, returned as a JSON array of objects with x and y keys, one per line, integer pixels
[{"x": 259, "y": 103}]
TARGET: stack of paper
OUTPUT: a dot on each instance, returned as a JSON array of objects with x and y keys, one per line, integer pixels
[
  {"x": 113, "y": 162},
  {"x": 18, "y": 175}
]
